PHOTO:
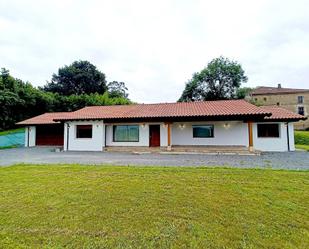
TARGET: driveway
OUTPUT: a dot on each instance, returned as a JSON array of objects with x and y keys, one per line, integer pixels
[{"x": 43, "y": 155}]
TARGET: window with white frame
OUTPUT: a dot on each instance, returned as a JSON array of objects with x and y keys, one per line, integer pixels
[
  {"x": 300, "y": 99},
  {"x": 125, "y": 133},
  {"x": 268, "y": 130},
  {"x": 301, "y": 110},
  {"x": 83, "y": 131},
  {"x": 203, "y": 131}
]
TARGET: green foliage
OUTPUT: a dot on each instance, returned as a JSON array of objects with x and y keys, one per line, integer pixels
[
  {"x": 74, "y": 206},
  {"x": 301, "y": 137},
  {"x": 20, "y": 100},
  {"x": 117, "y": 90},
  {"x": 243, "y": 92},
  {"x": 219, "y": 80},
  {"x": 81, "y": 77}
]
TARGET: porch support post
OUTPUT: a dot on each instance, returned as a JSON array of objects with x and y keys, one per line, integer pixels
[
  {"x": 169, "y": 145},
  {"x": 250, "y": 136}
]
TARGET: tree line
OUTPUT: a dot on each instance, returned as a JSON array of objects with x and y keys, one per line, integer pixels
[
  {"x": 82, "y": 84},
  {"x": 73, "y": 87}
]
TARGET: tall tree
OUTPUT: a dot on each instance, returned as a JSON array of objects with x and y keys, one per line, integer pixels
[
  {"x": 81, "y": 77},
  {"x": 243, "y": 92},
  {"x": 117, "y": 90},
  {"x": 219, "y": 80}
]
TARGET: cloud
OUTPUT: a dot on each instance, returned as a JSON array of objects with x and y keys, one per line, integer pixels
[{"x": 155, "y": 46}]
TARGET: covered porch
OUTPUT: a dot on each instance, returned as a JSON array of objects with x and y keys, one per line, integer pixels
[{"x": 213, "y": 137}]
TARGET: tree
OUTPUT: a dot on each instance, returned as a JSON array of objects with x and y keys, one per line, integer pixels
[
  {"x": 117, "y": 90},
  {"x": 219, "y": 80},
  {"x": 81, "y": 77},
  {"x": 243, "y": 92}
]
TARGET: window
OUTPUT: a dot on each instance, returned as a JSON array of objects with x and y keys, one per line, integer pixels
[
  {"x": 268, "y": 130},
  {"x": 203, "y": 130},
  {"x": 301, "y": 110},
  {"x": 265, "y": 99},
  {"x": 278, "y": 103},
  {"x": 300, "y": 99},
  {"x": 125, "y": 133},
  {"x": 83, "y": 131}
]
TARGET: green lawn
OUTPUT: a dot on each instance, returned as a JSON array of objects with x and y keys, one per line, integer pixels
[
  {"x": 302, "y": 140},
  {"x": 2, "y": 133},
  {"x": 8, "y": 147},
  {"x": 133, "y": 207}
]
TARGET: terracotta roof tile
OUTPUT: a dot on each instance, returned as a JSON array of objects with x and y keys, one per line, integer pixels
[
  {"x": 223, "y": 108},
  {"x": 279, "y": 113},
  {"x": 264, "y": 90},
  {"x": 187, "y": 109},
  {"x": 46, "y": 118}
]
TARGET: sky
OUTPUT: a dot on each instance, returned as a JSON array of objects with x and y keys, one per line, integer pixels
[{"x": 156, "y": 46}]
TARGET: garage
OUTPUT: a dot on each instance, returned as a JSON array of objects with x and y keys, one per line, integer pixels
[{"x": 49, "y": 134}]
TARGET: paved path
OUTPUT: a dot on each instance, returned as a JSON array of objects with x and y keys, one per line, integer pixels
[{"x": 41, "y": 155}]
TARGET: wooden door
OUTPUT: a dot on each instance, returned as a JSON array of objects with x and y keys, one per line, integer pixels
[
  {"x": 49, "y": 134},
  {"x": 154, "y": 135}
]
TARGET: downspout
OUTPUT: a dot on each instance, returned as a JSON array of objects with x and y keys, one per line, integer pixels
[
  {"x": 68, "y": 130},
  {"x": 288, "y": 135},
  {"x": 28, "y": 136},
  {"x": 104, "y": 136}
]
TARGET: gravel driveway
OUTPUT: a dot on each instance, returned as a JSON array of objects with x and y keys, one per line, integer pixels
[{"x": 41, "y": 155}]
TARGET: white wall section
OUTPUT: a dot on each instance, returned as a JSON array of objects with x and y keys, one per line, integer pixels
[
  {"x": 274, "y": 144},
  {"x": 225, "y": 133},
  {"x": 84, "y": 144},
  {"x": 30, "y": 132}
]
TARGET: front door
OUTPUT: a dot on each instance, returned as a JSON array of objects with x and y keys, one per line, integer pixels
[{"x": 154, "y": 135}]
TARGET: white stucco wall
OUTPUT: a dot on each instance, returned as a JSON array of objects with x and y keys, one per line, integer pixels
[
  {"x": 225, "y": 133},
  {"x": 274, "y": 144},
  {"x": 84, "y": 144},
  {"x": 143, "y": 135},
  {"x": 32, "y": 136}
]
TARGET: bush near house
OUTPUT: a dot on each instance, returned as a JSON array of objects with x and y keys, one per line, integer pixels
[
  {"x": 73, "y": 206},
  {"x": 302, "y": 140}
]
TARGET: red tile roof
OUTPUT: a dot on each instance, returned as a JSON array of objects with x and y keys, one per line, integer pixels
[
  {"x": 46, "y": 118},
  {"x": 168, "y": 110},
  {"x": 265, "y": 90},
  {"x": 279, "y": 113},
  {"x": 212, "y": 109}
]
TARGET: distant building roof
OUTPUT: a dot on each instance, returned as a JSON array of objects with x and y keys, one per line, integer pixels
[
  {"x": 279, "y": 113},
  {"x": 265, "y": 90}
]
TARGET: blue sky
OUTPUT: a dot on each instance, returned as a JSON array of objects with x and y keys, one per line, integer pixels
[{"x": 155, "y": 46}]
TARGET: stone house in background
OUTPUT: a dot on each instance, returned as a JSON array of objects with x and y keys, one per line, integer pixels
[{"x": 295, "y": 100}]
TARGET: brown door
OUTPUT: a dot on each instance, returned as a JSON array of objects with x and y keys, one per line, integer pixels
[
  {"x": 49, "y": 134},
  {"x": 154, "y": 135}
]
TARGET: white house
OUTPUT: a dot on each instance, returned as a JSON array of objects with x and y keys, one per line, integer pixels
[{"x": 229, "y": 123}]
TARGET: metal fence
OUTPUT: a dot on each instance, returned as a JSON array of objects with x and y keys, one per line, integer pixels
[{"x": 14, "y": 139}]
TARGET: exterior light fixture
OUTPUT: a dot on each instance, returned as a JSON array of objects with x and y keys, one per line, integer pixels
[
  {"x": 182, "y": 126},
  {"x": 226, "y": 125}
]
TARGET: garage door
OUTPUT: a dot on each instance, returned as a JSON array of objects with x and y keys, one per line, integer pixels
[{"x": 49, "y": 134}]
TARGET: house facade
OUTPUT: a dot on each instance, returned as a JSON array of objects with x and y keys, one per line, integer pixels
[
  {"x": 295, "y": 100},
  {"x": 229, "y": 123}
]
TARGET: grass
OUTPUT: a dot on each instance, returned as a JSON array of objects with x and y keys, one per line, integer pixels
[
  {"x": 302, "y": 147},
  {"x": 75, "y": 206},
  {"x": 2, "y": 133},
  {"x": 8, "y": 147},
  {"x": 302, "y": 140}
]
